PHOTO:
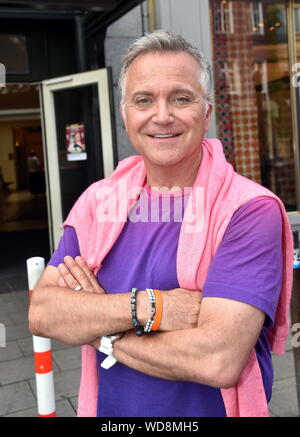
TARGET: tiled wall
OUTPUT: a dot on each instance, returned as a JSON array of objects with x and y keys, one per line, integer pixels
[{"x": 235, "y": 97}]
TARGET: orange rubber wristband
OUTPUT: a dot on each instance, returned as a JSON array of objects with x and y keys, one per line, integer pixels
[{"x": 158, "y": 313}]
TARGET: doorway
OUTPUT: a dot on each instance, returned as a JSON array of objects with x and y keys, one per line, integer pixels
[
  {"x": 23, "y": 215},
  {"x": 79, "y": 141}
]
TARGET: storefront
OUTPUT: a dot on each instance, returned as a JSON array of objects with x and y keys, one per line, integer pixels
[{"x": 255, "y": 49}]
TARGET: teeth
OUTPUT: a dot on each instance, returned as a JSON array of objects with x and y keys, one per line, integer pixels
[{"x": 164, "y": 136}]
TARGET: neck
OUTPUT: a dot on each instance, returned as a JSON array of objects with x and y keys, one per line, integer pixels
[{"x": 181, "y": 175}]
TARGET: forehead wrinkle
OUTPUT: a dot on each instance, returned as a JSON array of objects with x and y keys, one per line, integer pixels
[
  {"x": 164, "y": 62},
  {"x": 149, "y": 89}
]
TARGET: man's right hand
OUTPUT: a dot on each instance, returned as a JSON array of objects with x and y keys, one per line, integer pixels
[{"x": 181, "y": 308}]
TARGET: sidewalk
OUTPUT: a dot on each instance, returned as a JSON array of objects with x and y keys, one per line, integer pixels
[{"x": 17, "y": 379}]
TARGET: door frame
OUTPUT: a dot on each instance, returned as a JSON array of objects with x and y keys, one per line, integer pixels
[{"x": 101, "y": 78}]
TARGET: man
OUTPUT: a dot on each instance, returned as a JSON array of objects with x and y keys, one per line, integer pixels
[
  {"x": 209, "y": 343},
  {"x": 33, "y": 162},
  {"x": 35, "y": 175},
  {"x": 76, "y": 146}
]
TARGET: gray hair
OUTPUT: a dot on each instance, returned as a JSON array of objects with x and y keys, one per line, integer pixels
[{"x": 166, "y": 41}]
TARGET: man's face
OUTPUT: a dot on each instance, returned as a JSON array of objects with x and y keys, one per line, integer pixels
[
  {"x": 77, "y": 137},
  {"x": 164, "y": 114}
]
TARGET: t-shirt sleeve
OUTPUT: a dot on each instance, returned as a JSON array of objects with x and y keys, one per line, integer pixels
[
  {"x": 247, "y": 266},
  {"x": 68, "y": 245}
]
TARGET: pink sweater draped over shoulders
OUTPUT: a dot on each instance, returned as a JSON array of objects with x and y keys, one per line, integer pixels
[{"x": 99, "y": 216}]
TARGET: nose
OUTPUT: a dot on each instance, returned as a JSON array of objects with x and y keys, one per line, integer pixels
[{"x": 163, "y": 113}]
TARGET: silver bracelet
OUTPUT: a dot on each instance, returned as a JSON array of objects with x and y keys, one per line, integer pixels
[{"x": 149, "y": 324}]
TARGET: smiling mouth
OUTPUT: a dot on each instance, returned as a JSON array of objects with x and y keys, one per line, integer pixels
[{"x": 162, "y": 136}]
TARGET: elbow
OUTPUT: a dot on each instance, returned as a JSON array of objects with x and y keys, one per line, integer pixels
[
  {"x": 34, "y": 323},
  {"x": 222, "y": 373},
  {"x": 226, "y": 373},
  {"x": 35, "y": 327},
  {"x": 227, "y": 381},
  {"x": 35, "y": 317}
]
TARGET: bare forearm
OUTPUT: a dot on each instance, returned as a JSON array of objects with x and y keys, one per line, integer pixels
[
  {"x": 185, "y": 355},
  {"x": 214, "y": 353},
  {"x": 78, "y": 317}
]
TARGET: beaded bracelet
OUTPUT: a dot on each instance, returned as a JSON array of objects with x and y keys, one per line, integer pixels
[
  {"x": 150, "y": 322},
  {"x": 139, "y": 330}
]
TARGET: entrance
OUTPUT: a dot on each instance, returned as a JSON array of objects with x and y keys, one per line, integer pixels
[
  {"x": 78, "y": 140},
  {"x": 23, "y": 207}
]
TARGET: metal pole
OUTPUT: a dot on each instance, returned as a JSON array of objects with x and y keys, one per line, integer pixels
[
  {"x": 80, "y": 43},
  {"x": 42, "y": 351}
]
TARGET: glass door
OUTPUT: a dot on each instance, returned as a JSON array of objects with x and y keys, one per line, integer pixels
[
  {"x": 251, "y": 63},
  {"x": 78, "y": 140}
]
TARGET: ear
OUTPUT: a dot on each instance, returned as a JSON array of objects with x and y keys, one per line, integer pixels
[
  {"x": 123, "y": 115},
  {"x": 208, "y": 116},
  {"x": 209, "y": 110}
]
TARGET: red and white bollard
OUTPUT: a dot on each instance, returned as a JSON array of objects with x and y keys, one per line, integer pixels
[{"x": 42, "y": 351}]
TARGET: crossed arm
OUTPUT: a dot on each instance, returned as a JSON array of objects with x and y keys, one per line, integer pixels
[{"x": 210, "y": 346}]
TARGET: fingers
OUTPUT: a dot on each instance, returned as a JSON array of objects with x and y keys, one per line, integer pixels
[
  {"x": 69, "y": 278},
  {"x": 181, "y": 308},
  {"x": 89, "y": 274},
  {"x": 76, "y": 272},
  {"x": 73, "y": 274}
]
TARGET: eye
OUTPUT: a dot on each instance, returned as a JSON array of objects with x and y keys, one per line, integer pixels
[
  {"x": 181, "y": 100},
  {"x": 143, "y": 101}
]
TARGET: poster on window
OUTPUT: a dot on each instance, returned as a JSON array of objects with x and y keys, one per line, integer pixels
[{"x": 75, "y": 142}]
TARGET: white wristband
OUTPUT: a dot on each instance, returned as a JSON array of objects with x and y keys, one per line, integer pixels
[
  {"x": 106, "y": 347},
  {"x": 108, "y": 362}
]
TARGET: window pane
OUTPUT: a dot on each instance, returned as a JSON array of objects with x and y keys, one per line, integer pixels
[
  {"x": 13, "y": 53},
  {"x": 252, "y": 94},
  {"x": 223, "y": 17},
  {"x": 257, "y": 18}
]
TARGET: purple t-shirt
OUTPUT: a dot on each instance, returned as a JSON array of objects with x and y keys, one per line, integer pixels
[{"x": 247, "y": 267}]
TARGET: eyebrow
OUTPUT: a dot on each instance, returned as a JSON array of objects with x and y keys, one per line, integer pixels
[
  {"x": 141, "y": 93},
  {"x": 175, "y": 91}
]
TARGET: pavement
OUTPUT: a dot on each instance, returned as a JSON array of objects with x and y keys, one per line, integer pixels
[{"x": 17, "y": 378}]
